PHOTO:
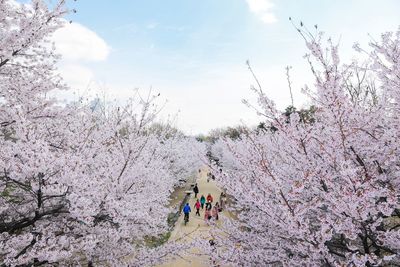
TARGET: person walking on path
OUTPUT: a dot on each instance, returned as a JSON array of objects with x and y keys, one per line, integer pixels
[
  {"x": 215, "y": 212},
  {"x": 195, "y": 190},
  {"x": 218, "y": 207},
  {"x": 207, "y": 216},
  {"x": 209, "y": 198},
  {"x": 202, "y": 201},
  {"x": 208, "y": 205},
  {"x": 186, "y": 211},
  {"x": 209, "y": 201},
  {"x": 197, "y": 206}
]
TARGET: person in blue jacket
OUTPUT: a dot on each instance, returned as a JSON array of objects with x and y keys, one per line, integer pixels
[{"x": 186, "y": 211}]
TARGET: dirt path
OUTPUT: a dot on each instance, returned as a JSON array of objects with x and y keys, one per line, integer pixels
[{"x": 196, "y": 226}]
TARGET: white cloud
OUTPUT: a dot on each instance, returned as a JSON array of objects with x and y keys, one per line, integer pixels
[
  {"x": 268, "y": 18},
  {"x": 262, "y": 9},
  {"x": 78, "y": 43},
  {"x": 77, "y": 76},
  {"x": 78, "y": 46},
  {"x": 152, "y": 25}
]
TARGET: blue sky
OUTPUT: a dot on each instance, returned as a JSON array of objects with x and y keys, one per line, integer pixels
[{"x": 194, "y": 52}]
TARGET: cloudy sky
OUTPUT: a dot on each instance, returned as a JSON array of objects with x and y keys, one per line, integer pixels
[{"x": 193, "y": 52}]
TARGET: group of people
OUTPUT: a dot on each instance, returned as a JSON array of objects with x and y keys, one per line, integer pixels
[
  {"x": 207, "y": 204},
  {"x": 210, "y": 176},
  {"x": 210, "y": 211}
]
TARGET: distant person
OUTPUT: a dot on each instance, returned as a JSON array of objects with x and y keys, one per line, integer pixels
[
  {"x": 202, "y": 201},
  {"x": 215, "y": 212},
  {"x": 218, "y": 207},
  {"x": 207, "y": 216},
  {"x": 195, "y": 190},
  {"x": 186, "y": 211},
  {"x": 208, "y": 205},
  {"x": 209, "y": 201},
  {"x": 209, "y": 198},
  {"x": 197, "y": 206}
]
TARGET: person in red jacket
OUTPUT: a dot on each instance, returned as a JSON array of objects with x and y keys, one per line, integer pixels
[{"x": 209, "y": 198}]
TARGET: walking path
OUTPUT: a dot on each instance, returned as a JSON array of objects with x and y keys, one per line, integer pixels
[{"x": 196, "y": 227}]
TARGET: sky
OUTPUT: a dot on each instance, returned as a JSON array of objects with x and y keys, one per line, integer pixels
[{"x": 193, "y": 52}]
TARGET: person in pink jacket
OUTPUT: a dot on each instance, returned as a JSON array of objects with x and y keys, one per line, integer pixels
[
  {"x": 207, "y": 216},
  {"x": 197, "y": 205}
]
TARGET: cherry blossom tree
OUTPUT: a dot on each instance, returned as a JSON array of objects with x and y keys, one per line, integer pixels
[
  {"x": 77, "y": 185},
  {"x": 323, "y": 192}
]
